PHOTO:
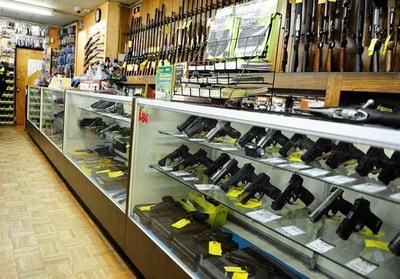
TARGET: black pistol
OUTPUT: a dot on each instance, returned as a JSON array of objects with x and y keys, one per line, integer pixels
[
  {"x": 180, "y": 153},
  {"x": 199, "y": 125},
  {"x": 254, "y": 134},
  {"x": 229, "y": 167},
  {"x": 246, "y": 174},
  {"x": 217, "y": 164},
  {"x": 394, "y": 245},
  {"x": 186, "y": 124},
  {"x": 222, "y": 129},
  {"x": 374, "y": 159},
  {"x": 271, "y": 137},
  {"x": 331, "y": 205},
  {"x": 343, "y": 152},
  {"x": 294, "y": 190},
  {"x": 359, "y": 216},
  {"x": 320, "y": 147},
  {"x": 261, "y": 185},
  {"x": 200, "y": 157},
  {"x": 391, "y": 169},
  {"x": 296, "y": 141}
]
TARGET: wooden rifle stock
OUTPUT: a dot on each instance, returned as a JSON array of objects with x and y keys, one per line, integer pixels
[
  {"x": 342, "y": 59},
  {"x": 317, "y": 60}
]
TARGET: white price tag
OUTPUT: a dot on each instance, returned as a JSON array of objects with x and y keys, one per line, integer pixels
[
  {"x": 166, "y": 168},
  {"x": 169, "y": 132},
  {"x": 273, "y": 161},
  {"x": 204, "y": 187},
  {"x": 395, "y": 196},
  {"x": 315, "y": 172},
  {"x": 228, "y": 148},
  {"x": 180, "y": 135},
  {"x": 369, "y": 187},
  {"x": 190, "y": 178},
  {"x": 361, "y": 266},
  {"x": 263, "y": 215},
  {"x": 290, "y": 230},
  {"x": 339, "y": 179},
  {"x": 197, "y": 140},
  {"x": 180, "y": 173},
  {"x": 299, "y": 166},
  {"x": 320, "y": 246}
]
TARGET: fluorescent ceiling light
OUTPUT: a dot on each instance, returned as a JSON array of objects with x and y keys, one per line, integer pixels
[{"x": 27, "y": 8}]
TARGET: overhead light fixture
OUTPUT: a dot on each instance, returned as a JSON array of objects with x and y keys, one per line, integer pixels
[{"x": 27, "y": 8}]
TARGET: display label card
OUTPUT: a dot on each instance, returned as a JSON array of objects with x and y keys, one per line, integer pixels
[
  {"x": 180, "y": 173},
  {"x": 369, "y": 187},
  {"x": 166, "y": 168},
  {"x": 181, "y": 135},
  {"x": 297, "y": 166},
  {"x": 361, "y": 266},
  {"x": 274, "y": 161},
  {"x": 395, "y": 196},
  {"x": 315, "y": 172},
  {"x": 320, "y": 246},
  {"x": 339, "y": 179},
  {"x": 197, "y": 140},
  {"x": 263, "y": 215},
  {"x": 204, "y": 187},
  {"x": 190, "y": 178},
  {"x": 290, "y": 230}
]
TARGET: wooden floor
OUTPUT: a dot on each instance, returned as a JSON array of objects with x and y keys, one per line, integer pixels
[{"x": 44, "y": 233}]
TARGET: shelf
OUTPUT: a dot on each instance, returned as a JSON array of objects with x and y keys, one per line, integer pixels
[
  {"x": 293, "y": 215},
  {"x": 314, "y": 170},
  {"x": 110, "y": 115},
  {"x": 333, "y": 130}
]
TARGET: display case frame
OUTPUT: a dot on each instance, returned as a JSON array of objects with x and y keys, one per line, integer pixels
[{"x": 165, "y": 137}]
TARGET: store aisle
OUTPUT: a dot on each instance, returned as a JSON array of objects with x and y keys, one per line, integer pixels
[{"x": 44, "y": 233}]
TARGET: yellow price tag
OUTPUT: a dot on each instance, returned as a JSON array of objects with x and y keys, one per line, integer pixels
[
  {"x": 153, "y": 64},
  {"x": 115, "y": 174},
  {"x": 299, "y": 1},
  {"x": 181, "y": 223},
  {"x": 385, "y": 45},
  {"x": 188, "y": 24},
  {"x": 370, "y": 243},
  {"x": 166, "y": 62},
  {"x": 292, "y": 1},
  {"x": 233, "y": 269},
  {"x": 371, "y": 47},
  {"x": 214, "y": 248},
  {"x": 240, "y": 275},
  {"x": 234, "y": 193},
  {"x": 252, "y": 203},
  {"x": 129, "y": 44},
  {"x": 129, "y": 67},
  {"x": 135, "y": 67},
  {"x": 295, "y": 158},
  {"x": 321, "y": 1},
  {"x": 124, "y": 65},
  {"x": 146, "y": 207},
  {"x": 167, "y": 29},
  {"x": 104, "y": 171},
  {"x": 332, "y": 1},
  {"x": 368, "y": 232}
]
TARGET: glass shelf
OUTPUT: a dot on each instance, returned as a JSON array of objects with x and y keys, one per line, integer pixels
[
  {"x": 388, "y": 265},
  {"x": 110, "y": 115},
  {"x": 316, "y": 170}
]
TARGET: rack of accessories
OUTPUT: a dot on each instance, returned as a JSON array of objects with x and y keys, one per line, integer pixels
[
  {"x": 321, "y": 191},
  {"x": 65, "y": 56},
  {"x": 7, "y": 102},
  {"x": 31, "y": 35}
]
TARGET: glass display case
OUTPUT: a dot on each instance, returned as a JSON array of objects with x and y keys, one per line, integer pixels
[
  {"x": 323, "y": 191},
  {"x": 52, "y": 115},
  {"x": 34, "y": 99},
  {"x": 97, "y": 140}
]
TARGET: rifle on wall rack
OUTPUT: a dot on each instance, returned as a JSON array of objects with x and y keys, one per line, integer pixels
[
  {"x": 343, "y": 35},
  {"x": 322, "y": 13},
  {"x": 359, "y": 35},
  {"x": 307, "y": 35},
  {"x": 376, "y": 36},
  {"x": 297, "y": 35},
  {"x": 332, "y": 36},
  {"x": 390, "y": 45},
  {"x": 286, "y": 38}
]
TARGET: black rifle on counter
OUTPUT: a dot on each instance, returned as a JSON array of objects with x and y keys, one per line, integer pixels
[
  {"x": 259, "y": 187},
  {"x": 331, "y": 205},
  {"x": 293, "y": 190},
  {"x": 359, "y": 216}
]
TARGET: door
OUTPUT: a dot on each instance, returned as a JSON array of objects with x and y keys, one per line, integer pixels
[{"x": 23, "y": 77}]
